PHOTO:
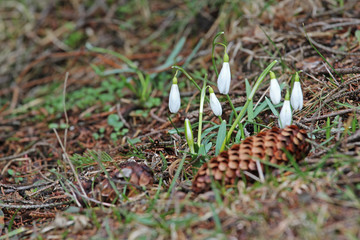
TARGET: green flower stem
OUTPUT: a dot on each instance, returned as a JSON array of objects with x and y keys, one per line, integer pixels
[
  {"x": 244, "y": 109},
  {"x": 187, "y": 75},
  {"x": 201, "y": 110},
  {"x": 213, "y": 51},
  {"x": 231, "y": 105}
]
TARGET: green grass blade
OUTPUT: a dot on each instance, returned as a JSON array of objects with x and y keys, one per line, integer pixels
[{"x": 220, "y": 137}]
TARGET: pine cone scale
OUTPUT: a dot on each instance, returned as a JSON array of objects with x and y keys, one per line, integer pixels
[{"x": 270, "y": 145}]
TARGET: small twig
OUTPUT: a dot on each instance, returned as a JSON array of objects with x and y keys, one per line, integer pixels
[
  {"x": 13, "y": 160},
  {"x": 341, "y": 94},
  {"x": 18, "y": 155},
  {"x": 354, "y": 137},
  {"x": 154, "y": 116},
  {"x": 12, "y": 188},
  {"x": 27, "y": 206},
  {"x": 332, "y": 76},
  {"x": 342, "y": 24},
  {"x": 301, "y": 125},
  {"x": 65, "y": 113},
  {"x": 121, "y": 116},
  {"x": 32, "y": 149},
  {"x": 341, "y": 112},
  {"x": 42, "y": 189},
  {"x": 252, "y": 176},
  {"x": 351, "y": 70},
  {"x": 330, "y": 49},
  {"x": 261, "y": 174},
  {"x": 337, "y": 138},
  {"x": 73, "y": 194},
  {"x": 69, "y": 162}
]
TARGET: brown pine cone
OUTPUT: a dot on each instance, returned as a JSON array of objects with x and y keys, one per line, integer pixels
[
  {"x": 267, "y": 145},
  {"x": 138, "y": 174}
]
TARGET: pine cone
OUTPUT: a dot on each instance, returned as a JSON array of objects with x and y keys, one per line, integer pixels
[
  {"x": 138, "y": 174},
  {"x": 267, "y": 145}
]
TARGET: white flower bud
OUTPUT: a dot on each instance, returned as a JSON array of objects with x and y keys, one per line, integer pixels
[
  {"x": 275, "y": 91},
  {"x": 297, "y": 96},
  {"x": 285, "y": 117},
  {"x": 215, "y": 104},
  {"x": 174, "y": 97},
  {"x": 224, "y": 79}
]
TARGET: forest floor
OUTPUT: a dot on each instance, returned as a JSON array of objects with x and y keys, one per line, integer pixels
[{"x": 84, "y": 89}]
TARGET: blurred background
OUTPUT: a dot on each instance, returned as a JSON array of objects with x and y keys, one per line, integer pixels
[
  {"x": 120, "y": 52},
  {"x": 41, "y": 40}
]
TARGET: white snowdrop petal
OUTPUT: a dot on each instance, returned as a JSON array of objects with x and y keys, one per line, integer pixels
[
  {"x": 224, "y": 79},
  {"x": 275, "y": 91},
  {"x": 297, "y": 97},
  {"x": 174, "y": 99},
  {"x": 285, "y": 117},
  {"x": 215, "y": 105}
]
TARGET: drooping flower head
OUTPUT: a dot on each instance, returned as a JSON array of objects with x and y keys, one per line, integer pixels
[
  {"x": 296, "y": 94},
  {"x": 224, "y": 79},
  {"x": 275, "y": 91},
  {"x": 285, "y": 117},
  {"x": 174, "y": 97},
  {"x": 214, "y": 103}
]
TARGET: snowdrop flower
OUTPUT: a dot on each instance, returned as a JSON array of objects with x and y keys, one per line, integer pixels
[
  {"x": 285, "y": 117},
  {"x": 214, "y": 103},
  {"x": 296, "y": 94},
  {"x": 189, "y": 135},
  {"x": 275, "y": 91},
  {"x": 224, "y": 79},
  {"x": 174, "y": 97}
]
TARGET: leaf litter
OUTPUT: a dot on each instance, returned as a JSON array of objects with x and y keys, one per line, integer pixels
[{"x": 126, "y": 174}]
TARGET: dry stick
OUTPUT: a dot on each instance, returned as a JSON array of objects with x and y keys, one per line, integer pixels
[
  {"x": 341, "y": 94},
  {"x": 341, "y": 112},
  {"x": 11, "y": 161},
  {"x": 157, "y": 118},
  {"x": 66, "y": 116},
  {"x": 18, "y": 155},
  {"x": 19, "y": 188},
  {"x": 63, "y": 146},
  {"x": 342, "y": 24},
  {"x": 75, "y": 191},
  {"x": 337, "y": 138},
  {"x": 27, "y": 206},
  {"x": 332, "y": 50},
  {"x": 73, "y": 194},
  {"x": 332, "y": 76},
  {"x": 249, "y": 174},
  {"x": 261, "y": 174},
  {"x": 121, "y": 116},
  {"x": 344, "y": 84},
  {"x": 70, "y": 163},
  {"x": 351, "y": 70},
  {"x": 327, "y": 100},
  {"x": 354, "y": 137},
  {"x": 42, "y": 189}
]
